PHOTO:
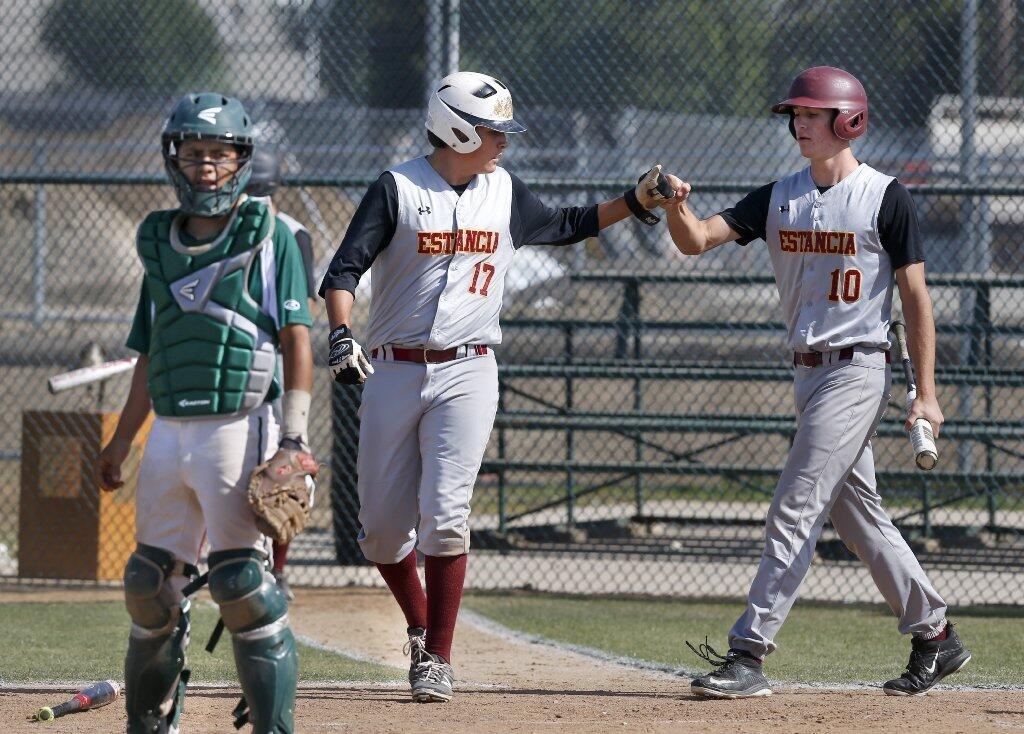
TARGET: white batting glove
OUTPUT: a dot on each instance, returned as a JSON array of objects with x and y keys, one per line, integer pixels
[
  {"x": 653, "y": 189},
  {"x": 347, "y": 360},
  {"x": 650, "y": 191}
]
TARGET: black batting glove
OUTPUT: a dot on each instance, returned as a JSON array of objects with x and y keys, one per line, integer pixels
[{"x": 347, "y": 360}]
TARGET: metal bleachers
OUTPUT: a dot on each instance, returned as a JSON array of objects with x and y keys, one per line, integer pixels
[{"x": 561, "y": 418}]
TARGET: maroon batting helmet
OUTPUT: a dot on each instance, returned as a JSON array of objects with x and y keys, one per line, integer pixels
[{"x": 829, "y": 88}]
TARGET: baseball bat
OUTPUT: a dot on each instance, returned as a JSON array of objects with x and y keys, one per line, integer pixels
[
  {"x": 96, "y": 695},
  {"x": 926, "y": 453},
  {"x": 85, "y": 375}
]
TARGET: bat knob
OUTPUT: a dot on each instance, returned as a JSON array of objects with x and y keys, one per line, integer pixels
[
  {"x": 926, "y": 460},
  {"x": 44, "y": 714},
  {"x": 926, "y": 455}
]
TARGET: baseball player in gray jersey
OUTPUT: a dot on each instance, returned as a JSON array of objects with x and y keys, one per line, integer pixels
[
  {"x": 440, "y": 232},
  {"x": 838, "y": 232},
  {"x": 263, "y": 182}
]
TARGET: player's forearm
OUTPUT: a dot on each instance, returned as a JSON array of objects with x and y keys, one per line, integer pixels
[
  {"x": 917, "y": 311},
  {"x": 137, "y": 406},
  {"x": 612, "y": 212},
  {"x": 688, "y": 232},
  {"x": 297, "y": 356},
  {"x": 339, "y": 307}
]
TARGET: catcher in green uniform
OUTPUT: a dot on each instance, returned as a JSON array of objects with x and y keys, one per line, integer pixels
[{"x": 224, "y": 288}]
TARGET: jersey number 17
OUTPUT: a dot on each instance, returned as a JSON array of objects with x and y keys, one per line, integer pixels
[{"x": 486, "y": 272}]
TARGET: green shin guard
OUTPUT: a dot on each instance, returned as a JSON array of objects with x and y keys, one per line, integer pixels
[
  {"x": 154, "y": 668},
  {"x": 256, "y": 613},
  {"x": 268, "y": 669},
  {"x": 155, "y": 678}
]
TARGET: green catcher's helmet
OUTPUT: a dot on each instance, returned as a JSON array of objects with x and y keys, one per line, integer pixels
[{"x": 208, "y": 116}]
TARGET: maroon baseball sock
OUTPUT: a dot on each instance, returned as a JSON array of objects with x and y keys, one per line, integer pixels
[
  {"x": 404, "y": 583},
  {"x": 445, "y": 577},
  {"x": 280, "y": 555},
  {"x": 942, "y": 635}
]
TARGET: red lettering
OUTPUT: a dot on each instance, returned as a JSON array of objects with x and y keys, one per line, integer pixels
[
  {"x": 851, "y": 281},
  {"x": 488, "y": 273},
  {"x": 818, "y": 242},
  {"x": 786, "y": 241}
]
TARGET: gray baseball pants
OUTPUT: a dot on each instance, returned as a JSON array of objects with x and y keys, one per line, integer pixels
[{"x": 830, "y": 473}]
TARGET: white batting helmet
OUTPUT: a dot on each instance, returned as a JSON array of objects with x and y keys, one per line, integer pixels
[{"x": 464, "y": 100}]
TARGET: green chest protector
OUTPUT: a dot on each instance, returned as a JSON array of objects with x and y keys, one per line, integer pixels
[{"x": 213, "y": 349}]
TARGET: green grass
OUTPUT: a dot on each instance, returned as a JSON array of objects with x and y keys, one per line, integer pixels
[
  {"x": 87, "y": 641},
  {"x": 521, "y": 497},
  {"x": 819, "y": 642}
]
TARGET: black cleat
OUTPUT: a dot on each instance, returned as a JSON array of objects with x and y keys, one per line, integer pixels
[
  {"x": 930, "y": 662},
  {"x": 737, "y": 675}
]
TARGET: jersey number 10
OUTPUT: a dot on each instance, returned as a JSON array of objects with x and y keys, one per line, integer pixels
[
  {"x": 488, "y": 272},
  {"x": 850, "y": 285}
]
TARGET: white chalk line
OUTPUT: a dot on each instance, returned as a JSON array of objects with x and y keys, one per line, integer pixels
[{"x": 489, "y": 626}]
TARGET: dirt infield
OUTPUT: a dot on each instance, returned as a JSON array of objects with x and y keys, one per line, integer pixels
[
  {"x": 506, "y": 685},
  {"x": 636, "y": 708}
]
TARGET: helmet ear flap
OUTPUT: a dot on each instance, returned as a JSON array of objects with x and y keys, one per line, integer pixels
[{"x": 850, "y": 125}]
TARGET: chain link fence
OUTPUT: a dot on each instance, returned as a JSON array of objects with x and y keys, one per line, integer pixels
[{"x": 646, "y": 403}]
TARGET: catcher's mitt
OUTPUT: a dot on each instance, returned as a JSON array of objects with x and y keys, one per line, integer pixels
[{"x": 280, "y": 493}]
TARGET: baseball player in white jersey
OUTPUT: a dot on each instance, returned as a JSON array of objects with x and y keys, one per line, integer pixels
[
  {"x": 838, "y": 232},
  {"x": 223, "y": 290},
  {"x": 263, "y": 183},
  {"x": 440, "y": 232}
]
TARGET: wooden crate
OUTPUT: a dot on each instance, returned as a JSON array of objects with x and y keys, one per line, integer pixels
[{"x": 67, "y": 527}]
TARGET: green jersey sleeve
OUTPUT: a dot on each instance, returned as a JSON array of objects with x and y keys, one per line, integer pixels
[
  {"x": 138, "y": 337},
  {"x": 291, "y": 289}
]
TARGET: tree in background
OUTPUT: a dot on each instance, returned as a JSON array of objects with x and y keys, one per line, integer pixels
[
  {"x": 144, "y": 45},
  {"x": 702, "y": 56},
  {"x": 734, "y": 58},
  {"x": 904, "y": 53},
  {"x": 373, "y": 53}
]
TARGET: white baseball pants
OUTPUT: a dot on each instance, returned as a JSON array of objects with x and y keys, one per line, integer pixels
[
  {"x": 830, "y": 473},
  {"x": 422, "y": 436},
  {"x": 193, "y": 481}
]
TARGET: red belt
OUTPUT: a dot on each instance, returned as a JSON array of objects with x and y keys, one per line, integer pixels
[
  {"x": 428, "y": 356},
  {"x": 814, "y": 359}
]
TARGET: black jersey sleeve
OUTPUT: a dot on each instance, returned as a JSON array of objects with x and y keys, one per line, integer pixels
[
  {"x": 898, "y": 227},
  {"x": 370, "y": 231},
  {"x": 535, "y": 223},
  {"x": 749, "y": 217}
]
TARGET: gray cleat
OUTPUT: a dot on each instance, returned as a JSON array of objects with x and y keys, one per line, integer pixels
[
  {"x": 432, "y": 680},
  {"x": 416, "y": 649},
  {"x": 737, "y": 675}
]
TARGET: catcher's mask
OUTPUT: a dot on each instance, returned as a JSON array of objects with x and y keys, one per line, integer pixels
[{"x": 208, "y": 116}]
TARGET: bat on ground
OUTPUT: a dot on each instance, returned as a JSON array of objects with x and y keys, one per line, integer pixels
[
  {"x": 926, "y": 454},
  {"x": 96, "y": 695},
  {"x": 85, "y": 375}
]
